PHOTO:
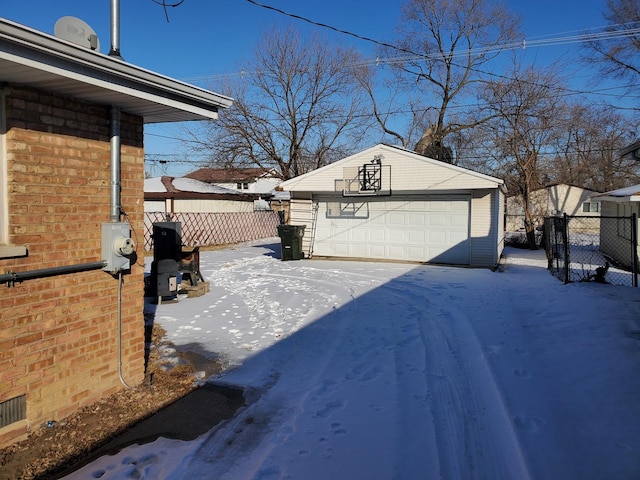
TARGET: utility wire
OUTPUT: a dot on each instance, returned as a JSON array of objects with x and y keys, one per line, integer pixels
[
  {"x": 324, "y": 25},
  {"x": 608, "y": 34},
  {"x": 165, "y": 5},
  {"x": 553, "y": 41},
  {"x": 468, "y": 106}
]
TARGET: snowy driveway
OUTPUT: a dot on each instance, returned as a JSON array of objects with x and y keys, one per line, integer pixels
[{"x": 391, "y": 371}]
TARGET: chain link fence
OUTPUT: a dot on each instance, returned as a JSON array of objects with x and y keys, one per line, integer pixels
[
  {"x": 592, "y": 249},
  {"x": 208, "y": 229}
]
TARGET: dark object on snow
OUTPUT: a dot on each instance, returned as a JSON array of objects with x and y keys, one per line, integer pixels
[
  {"x": 291, "y": 241},
  {"x": 189, "y": 265},
  {"x": 601, "y": 272}
]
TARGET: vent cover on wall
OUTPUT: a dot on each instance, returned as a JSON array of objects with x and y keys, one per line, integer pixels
[{"x": 13, "y": 410}]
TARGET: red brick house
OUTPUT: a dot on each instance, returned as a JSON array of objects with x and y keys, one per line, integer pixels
[{"x": 72, "y": 173}]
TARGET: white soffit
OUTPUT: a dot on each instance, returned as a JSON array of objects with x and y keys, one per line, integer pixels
[{"x": 35, "y": 59}]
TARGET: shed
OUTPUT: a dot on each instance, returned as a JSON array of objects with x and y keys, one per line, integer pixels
[
  {"x": 389, "y": 203},
  {"x": 178, "y": 195},
  {"x": 615, "y": 237},
  {"x": 555, "y": 199},
  {"x": 249, "y": 180}
]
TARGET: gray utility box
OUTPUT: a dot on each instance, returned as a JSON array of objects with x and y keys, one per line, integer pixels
[
  {"x": 291, "y": 241},
  {"x": 117, "y": 246}
]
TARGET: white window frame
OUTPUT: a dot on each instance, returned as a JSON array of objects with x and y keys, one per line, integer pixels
[
  {"x": 6, "y": 249},
  {"x": 591, "y": 207}
]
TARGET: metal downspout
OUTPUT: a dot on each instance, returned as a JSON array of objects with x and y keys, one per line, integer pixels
[
  {"x": 116, "y": 209},
  {"x": 116, "y": 161}
]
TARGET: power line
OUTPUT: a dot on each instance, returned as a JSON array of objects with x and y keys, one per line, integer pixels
[
  {"x": 166, "y": 5},
  {"x": 323, "y": 25},
  {"x": 609, "y": 34},
  {"x": 458, "y": 106}
]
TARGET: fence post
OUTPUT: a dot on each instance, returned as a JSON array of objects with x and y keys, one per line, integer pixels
[
  {"x": 565, "y": 241},
  {"x": 634, "y": 249}
]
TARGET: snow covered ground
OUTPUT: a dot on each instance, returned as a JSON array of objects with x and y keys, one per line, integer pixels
[{"x": 357, "y": 370}]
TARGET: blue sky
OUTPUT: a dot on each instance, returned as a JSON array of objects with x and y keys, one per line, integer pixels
[{"x": 208, "y": 38}]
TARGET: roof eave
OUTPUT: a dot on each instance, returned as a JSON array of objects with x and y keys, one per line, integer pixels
[
  {"x": 40, "y": 60},
  {"x": 181, "y": 195},
  {"x": 616, "y": 199},
  {"x": 633, "y": 148}
]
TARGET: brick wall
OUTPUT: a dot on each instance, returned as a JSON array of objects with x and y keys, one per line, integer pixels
[{"x": 58, "y": 335}]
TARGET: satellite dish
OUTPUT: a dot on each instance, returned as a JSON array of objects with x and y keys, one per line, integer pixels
[{"x": 75, "y": 30}]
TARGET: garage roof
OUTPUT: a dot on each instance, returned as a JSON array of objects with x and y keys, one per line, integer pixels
[
  {"x": 32, "y": 58},
  {"x": 622, "y": 195}
]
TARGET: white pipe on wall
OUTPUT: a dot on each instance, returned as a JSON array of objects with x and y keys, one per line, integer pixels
[{"x": 115, "y": 163}]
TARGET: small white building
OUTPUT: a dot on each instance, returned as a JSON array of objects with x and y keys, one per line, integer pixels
[
  {"x": 617, "y": 233},
  {"x": 186, "y": 195},
  {"x": 557, "y": 199},
  {"x": 255, "y": 180},
  {"x": 389, "y": 203}
]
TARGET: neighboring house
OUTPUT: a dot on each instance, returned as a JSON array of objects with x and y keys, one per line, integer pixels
[
  {"x": 632, "y": 151},
  {"x": 615, "y": 234},
  {"x": 178, "y": 195},
  {"x": 389, "y": 203},
  {"x": 556, "y": 199},
  {"x": 71, "y": 183},
  {"x": 249, "y": 180}
]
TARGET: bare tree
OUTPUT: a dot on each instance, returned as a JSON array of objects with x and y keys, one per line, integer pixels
[
  {"x": 524, "y": 125},
  {"x": 618, "y": 55},
  {"x": 442, "y": 48},
  {"x": 297, "y": 107},
  {"x": 586, "y": 153}
]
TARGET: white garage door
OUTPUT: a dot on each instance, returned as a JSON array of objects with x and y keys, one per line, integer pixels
[{"x": 426, "y": 229}]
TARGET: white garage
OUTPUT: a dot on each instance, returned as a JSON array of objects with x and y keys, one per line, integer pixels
[
  {"x": 432, "y": 228},
  {"x": 388, "y": 203}
]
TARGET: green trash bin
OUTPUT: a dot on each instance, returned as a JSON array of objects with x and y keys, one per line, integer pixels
[{"x": 291, "y": 241}]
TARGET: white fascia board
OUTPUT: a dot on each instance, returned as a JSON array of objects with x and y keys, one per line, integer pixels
[
  {"x": 114, "y": 87},
  {"x": 616, "y": 199},
  {"x": 43, "y": 52}
]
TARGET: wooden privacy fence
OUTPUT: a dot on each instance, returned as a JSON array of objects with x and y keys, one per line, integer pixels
[{"x": 207, "y": 229}]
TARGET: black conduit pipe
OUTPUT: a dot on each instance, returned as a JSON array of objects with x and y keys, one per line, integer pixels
[{"x": 10, "y": 278}]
